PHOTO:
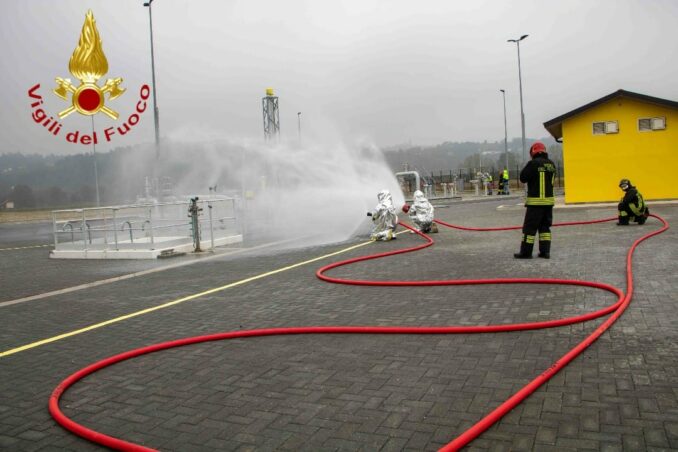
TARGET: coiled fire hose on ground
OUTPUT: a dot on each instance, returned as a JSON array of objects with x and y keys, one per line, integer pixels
[{"x": 615, "y": 309}]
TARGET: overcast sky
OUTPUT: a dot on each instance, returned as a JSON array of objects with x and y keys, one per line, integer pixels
[{"x": 389, "y": 72}]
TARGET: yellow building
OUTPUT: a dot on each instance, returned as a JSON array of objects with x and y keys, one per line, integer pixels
[{"x": 622, "y": 135}]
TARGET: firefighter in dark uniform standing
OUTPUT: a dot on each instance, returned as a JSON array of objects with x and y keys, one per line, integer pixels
[
  {"x": 538, "y": 174},
  {"x": 632, "y": 206}
]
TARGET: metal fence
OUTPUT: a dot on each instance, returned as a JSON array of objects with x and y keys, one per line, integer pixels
[
  {"x": 446, "y": 183},
  {"x": 143, "y": 226}
]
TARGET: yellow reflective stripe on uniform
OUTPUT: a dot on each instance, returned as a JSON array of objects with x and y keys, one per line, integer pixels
[
  {"x": 531, "y": 201},
  {"x": 542, "y": 185},
  {"x": 622, "y": 213},
  {"x": 529, "y": 239},
  {"x": 636, "y": 211},
  {"x": 544, "y": 236},
  {"x": 534, "y": 198}
]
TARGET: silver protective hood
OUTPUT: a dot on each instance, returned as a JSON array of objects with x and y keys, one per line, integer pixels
[
  {"x": 384, "y": 214},
  {"x": 421, "y": 211}
]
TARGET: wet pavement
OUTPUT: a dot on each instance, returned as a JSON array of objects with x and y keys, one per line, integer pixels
[{"x": 358, "y": 392}]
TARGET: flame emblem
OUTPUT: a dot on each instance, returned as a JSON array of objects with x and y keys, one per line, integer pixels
[{"x": 88, "y": 64}]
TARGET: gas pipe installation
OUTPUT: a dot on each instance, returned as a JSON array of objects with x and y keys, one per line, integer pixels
[{"x": 616, "y": 310}]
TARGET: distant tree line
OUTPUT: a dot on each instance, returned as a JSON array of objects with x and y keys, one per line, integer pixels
[
  {"x": 37, "y": 181},
  {"x": 466, "y": 158},
  {"x": 25, "y": 197}
]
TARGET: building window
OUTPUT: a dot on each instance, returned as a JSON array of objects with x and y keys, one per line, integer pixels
[
  {"x": 648, "y": 124},
  {"x": 605, "y": 127}
]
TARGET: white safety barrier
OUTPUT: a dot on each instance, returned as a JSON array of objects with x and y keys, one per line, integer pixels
[{"x": 143, "y": 231}]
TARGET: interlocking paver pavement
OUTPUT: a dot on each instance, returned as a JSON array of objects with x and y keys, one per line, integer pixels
[{"x": 367, "y": 392}]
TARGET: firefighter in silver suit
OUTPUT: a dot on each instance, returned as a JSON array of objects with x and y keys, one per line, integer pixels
[
  {"x": 384, "y": 218},
  {"x": 421, "y": 213}
]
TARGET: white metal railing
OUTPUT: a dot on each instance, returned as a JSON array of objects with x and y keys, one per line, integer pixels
[{"x": 142, "y": 226}]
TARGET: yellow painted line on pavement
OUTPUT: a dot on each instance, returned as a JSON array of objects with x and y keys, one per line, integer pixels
[
  {"x": 44, "y": 295},
  {"x": 25, "y": 247},
  {"x": 173, "y": 303}
]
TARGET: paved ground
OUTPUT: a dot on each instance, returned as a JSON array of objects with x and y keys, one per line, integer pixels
[{"x": 366, "y": 392}]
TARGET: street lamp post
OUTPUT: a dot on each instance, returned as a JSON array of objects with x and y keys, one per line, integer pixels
[
  {"x": 520, "y": 82},
  {"x": 96, "y": 171},
  {"x": 155, "y": 95},
  {"x": 503, "y": 92}
]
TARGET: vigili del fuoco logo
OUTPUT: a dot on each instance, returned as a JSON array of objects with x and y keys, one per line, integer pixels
[{"x": 88, "y": 64}]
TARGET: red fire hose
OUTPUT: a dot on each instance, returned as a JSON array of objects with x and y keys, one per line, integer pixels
[{"x": 616, "y": 309}]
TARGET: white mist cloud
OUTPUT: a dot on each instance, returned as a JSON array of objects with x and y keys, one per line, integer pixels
[{"x": 321, "y": 189}]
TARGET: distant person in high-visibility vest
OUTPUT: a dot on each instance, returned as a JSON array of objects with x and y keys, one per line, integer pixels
[
  {"x": 505, "y": 180},
  {"x": 632, "y": 206},
  {"x": 538, "y": 174}
]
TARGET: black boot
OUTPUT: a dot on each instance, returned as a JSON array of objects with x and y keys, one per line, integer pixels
[
  {"x": 525, "y": 251},
  {"x": 623, "y": 221},
  {"x": 643, "y": 218},
  {"x": 544, "y": 249}
]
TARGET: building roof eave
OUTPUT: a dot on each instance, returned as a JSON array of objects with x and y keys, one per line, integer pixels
[
  {"x": 556, "y": 130},
  {"x": 555, "y": 125}
]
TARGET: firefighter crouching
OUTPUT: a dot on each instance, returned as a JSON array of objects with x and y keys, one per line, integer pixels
[
  {"x": 384, "y": 218},
  {"x": 632, "y": 206},
  {"x": 538, "y": 174}
]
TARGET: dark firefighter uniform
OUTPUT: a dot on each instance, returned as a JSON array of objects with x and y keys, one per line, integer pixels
[
  {"x": 538, "y": 174},
  {"x": 632, "y": 206}
]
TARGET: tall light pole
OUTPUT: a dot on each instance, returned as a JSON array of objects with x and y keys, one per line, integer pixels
[
  {"x": 155, "y": 95},
  {"x": 520, "y": 82},
  {"x": 299, "y": 125},
  {"x": 96, "y": 172},
  {"x": 503, "y": 92}
]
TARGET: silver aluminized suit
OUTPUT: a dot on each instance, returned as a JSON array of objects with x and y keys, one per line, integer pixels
[
  {"x": 384, "y": 217},
  {"x": 421, "y": 212}
]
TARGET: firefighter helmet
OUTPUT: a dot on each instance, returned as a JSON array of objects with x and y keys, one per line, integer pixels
[
  {"x": 537, "y": 148},
  {"x": 624, "y": 184}
]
